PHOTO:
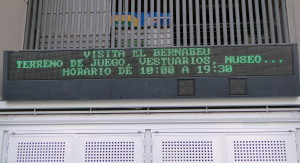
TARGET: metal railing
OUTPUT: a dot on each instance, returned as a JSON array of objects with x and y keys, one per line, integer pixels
[
  {"x": 81, "y": 24},
  {"x": 149, "y": 110}
]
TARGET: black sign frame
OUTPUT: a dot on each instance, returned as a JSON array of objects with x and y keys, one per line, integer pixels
[{"x": 154, "y": 88}]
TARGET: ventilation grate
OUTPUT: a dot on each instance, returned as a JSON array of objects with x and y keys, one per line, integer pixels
[
  {"x": 261, "y": 148},
  {"x": 187, "y": 151},
  {"x": 260, "y": 151},
  {"x": 39, "y": 149},
  {"x": 114, "y": 151},
  {"x": 183, "y": 148},
  {"x": 108, "y": 148},
  {"x": 41, "y": 152}
]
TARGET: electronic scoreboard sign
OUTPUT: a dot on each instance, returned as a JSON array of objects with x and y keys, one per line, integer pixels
[{"x": 172, "y": 72}]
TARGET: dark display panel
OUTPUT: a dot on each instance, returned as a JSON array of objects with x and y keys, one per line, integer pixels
[
  {"x": 151, "y": 63},
  {"x": 158, "y": 73}
]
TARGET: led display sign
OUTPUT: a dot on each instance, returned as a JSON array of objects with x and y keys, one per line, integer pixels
[
  {"x": 152, "y": 73},
  {"x": 151, "y": 63}
]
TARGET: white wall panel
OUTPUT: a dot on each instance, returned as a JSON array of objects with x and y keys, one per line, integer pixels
[
  {"x": 185, "y": 146},
  {"x": 75, "y": 148}
]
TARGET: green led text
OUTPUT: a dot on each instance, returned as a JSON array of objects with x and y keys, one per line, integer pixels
[
  {"x": 40, "y": 64},
  {"x": 243, "y": 59}
]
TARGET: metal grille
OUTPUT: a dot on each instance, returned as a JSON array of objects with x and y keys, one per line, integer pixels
[
  {"x": 122, "y": 148},
  {"x": 79, "y": 24},
  {"x": 109, "y": 151},
  {"x": 41, "y": 152},
  {"x": 191, "y": 147},
  {"x": 268, "y": 148},
  {"x": 187, "y": 151},
  {"x": 260, "y": 151},
  {"x": 38, "y": 149}
]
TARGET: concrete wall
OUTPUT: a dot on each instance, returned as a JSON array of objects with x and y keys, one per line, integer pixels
[
  {"x": 12, "y": 26},
  {"x": 294, "y": 20}
]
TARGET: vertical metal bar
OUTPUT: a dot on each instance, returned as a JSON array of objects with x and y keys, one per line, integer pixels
[
  {"x": 264, "y": 15},
  {"x": 60, "y": 24},
  {"x": 197, "y": 23},
  {"x": 28, "y": 24},
  {"x": 191, "y": 22},
  {"x": 139, "y": 23},
  {"x": 152, "y": 23},
  {"x": 70, "y": 26},
  {"x": 101, "y": 16},
  {"x": 232, "y": 41},
  {"x": 84, "y": 29},
  {"x": 145, "y": 23},
  {"x": 33, "y": 25},
  {"x": 251, "y": 21},
  {"x": 171, "y": 4},
  {"x": 285, "y": 22},
  {"x": 56, "y": 29},
  {"x": 120, "y": 4},
  {"x": 76, "y": 26},
  {"x": 158, "y": 21},
  {"x": 39, "y": 25},
  {"x": 108, "y": 20},
  {"x": 44, "y": 26},
  {"x": 271, "y": 19},
  {"x": 133, "y": 34},
  {"x": 126, "y": 24},
  {"x": 204, "y": 22},
  {"x": 178, "y": 23},
  {"x": 165, "y": 22},
  {"x": 278, "y": 22},
  {"x": 218, "y": 28},
  {"x": 224, "y": 21},
  {"x": 88, "y": 24},
  {"x": 148, "y": 145},
  {"x": 63, "y": 24},
  {"x": 82, "y": 19},
  {"x": 95, "y": 4},
  {"x": 211, "y": 23},
  {"x": 113, "y": 26},
  {"x": 238, "y": 22},
  {"x": 245, "y": 27},
  {"x": 52, "y": 8},
  {"x": 258, "y": 26},
  {"x": 184, "y": 23},
  {"x": 4, "y": 144}
]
